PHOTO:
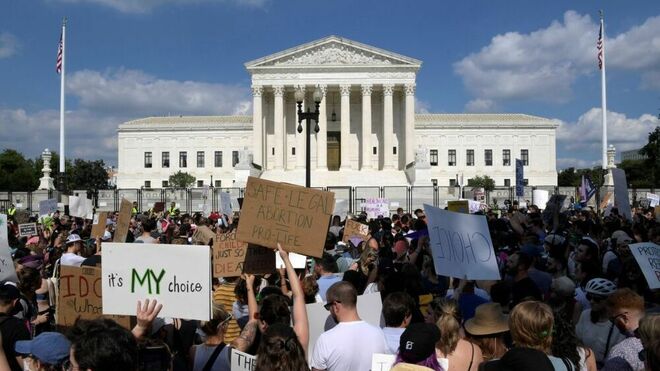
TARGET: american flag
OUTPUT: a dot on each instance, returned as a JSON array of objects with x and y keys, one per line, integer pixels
[
  {"x": 599, "y": 46},
  {"x": 58, "y": 65}
]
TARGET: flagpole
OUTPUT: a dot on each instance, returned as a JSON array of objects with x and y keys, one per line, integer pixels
[
  {"x": 604, "y": 93},
  {"x": 62, "y": 163}
]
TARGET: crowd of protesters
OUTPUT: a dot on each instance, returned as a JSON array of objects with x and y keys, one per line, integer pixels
[{"x": 571, "y": 297}]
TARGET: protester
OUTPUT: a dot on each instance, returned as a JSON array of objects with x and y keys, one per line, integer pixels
[
  {"x": 73, "y": 248},
  {"x": 625, "y": 309},
  {"x": 281, "y": 350},
  {"x": 46, "y": 352},
  {"x": 397, "y": 312},
  {"x": 101, "y": 345},
  {"x": 487, "y": 330},
  {"x": 11, "y": 328},
  {"x": 417, "y": 346},
  {"x": 325, "y": 269},
  {"x": 211, "y": 355},
  {"x": 523, "y": 287}
]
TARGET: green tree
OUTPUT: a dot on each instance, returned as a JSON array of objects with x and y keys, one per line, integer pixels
[
  {"x": 485, "y": 182},
  {"x": 88, "y": 175},
  {"x": 637, "y": 173},
  {"x": 16, "y": 172},
  {"x": 181, "y": 180},
  {"x": 568, "y": 178},
  {"x": 652, "y": 152}
]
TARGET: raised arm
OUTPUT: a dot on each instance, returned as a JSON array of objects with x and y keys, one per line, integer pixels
[
  {"x": 146, "y": 313},
  {"x": 253, "y": 308},
  {"x": 300, "y": 323}
]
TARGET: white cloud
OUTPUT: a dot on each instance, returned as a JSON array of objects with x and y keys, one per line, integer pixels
[
  {"x": 543, "y": 65},
  {"x": 479, "y": 105},
  {"x": 422, "y": 106},
  {"x": 8, "y": 45},
  {"x": 145, "y": 6}
]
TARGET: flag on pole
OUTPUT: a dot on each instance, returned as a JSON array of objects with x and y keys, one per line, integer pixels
[
  {"x": 599, "y": 46},
  {"x": 587, "y": 189},
  {"x": 58, "y": 65}
]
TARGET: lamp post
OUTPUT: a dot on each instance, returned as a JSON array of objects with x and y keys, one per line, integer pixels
[{"x": 308, "y": 117}]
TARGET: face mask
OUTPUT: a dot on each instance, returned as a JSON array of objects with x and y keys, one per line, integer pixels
[{"x": 27, "y": 364}]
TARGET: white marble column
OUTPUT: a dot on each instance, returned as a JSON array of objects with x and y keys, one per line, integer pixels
[
  {"x": 366, "y": 127},
  {"x": 257, "y": 127},
  {"x": 388, "y": 126},
  {"x": 410, "y": 123},
  {"x": 300, "y": 137},
  {"x": 322, "y": 135},
  {"x": 345, "y": 125},
  {"x": 278, "y": 93}
]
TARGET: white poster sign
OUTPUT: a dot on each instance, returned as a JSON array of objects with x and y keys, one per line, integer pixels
[
  {"x": 7, "y": 270},
  {"x": 48, "y": 206},
  {"x": 621, "y": 193},
  {"x": 298, "y": 261},
  {"x": 225, "y": 203},
  {"x": 375, "y": 207},
  {"x": 341, "y": 208},
  {"x": 647, "y": 255},
  {"x": 653, "y": 198},
  {"x": 474, "y": 206},
  {"x": 461, "y": 245},
  {"x": 242, "y": 361},
  {"x": 540, "y": 198},
  {"x": 177, "y": 276},
  {"x": 382, "y": 362},
  {"x": 81, "y": 207}
]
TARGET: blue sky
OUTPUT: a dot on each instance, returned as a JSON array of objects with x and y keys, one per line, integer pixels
[{"x": 129, "y": 59}]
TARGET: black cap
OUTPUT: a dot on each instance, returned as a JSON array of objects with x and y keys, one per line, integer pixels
[{"x": 417, "y": 342}]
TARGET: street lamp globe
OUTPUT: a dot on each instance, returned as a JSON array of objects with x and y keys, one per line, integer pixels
[
  {"x": 317, "y": 95},
  {"x": 299, "y": 95}
]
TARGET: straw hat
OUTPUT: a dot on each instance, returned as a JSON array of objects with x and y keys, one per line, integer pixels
[{"x": 488, "y": 319}]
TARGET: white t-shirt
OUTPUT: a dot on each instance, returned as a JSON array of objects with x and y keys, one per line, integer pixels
[
  {"x": 594, "y": 335},
  {"x": 71, "y": 259},
  {"x": 348, "y": 346},
  {"x": 393, "y": 338}
]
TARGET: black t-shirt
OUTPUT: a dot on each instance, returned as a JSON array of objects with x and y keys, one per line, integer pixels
[
  {"x": 92, "y": 261},
  {"x": 523, "y": 289},
  {"x": 13, "y": 330}
]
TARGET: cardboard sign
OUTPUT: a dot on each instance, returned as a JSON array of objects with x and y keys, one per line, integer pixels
[
  {"x": 203, "y": 235},
  {"x": 98, "y": 225},
  {"x": 621, "y": 193},
  {"x": 225, "y": 203},
  {"x": 177, "y": 276},
  {"x": 7, "y": 270},
  {"x": 159, "y": 206},
  {"x": 461, "y": 245},
  {"x": 80, "y": 296},
  {"x": 27, "y": 229},
  {"x": 647, "y": 255},
  {"x": 48, "y": 206},
  {"x": 295, "y": 216},
  {"x": 341, "y": 208},
  {"x": 461, "y": 206},
  {"x": 81, "y": 207},
  {"x": 123, "y": 221},
  {"x": 259, "y": 260},
  {"x": 242, "y": 361},
  {"x": 228, "y": 255},
  {"x": 375, "y": 207},
  {"x": 355, "y": 229},
  {"x": 382, "y": 362},
  {"x": 657, "y": 213},
  {"x": 297, "y": 261}
]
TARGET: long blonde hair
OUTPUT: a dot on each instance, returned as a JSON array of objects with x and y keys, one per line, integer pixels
[{"x": 531, "y": 324}]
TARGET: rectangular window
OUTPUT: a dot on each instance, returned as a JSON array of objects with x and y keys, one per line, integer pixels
[
  {"x": 200, "y": 158},
  {"x": 375, "y": 151},
  {"x": 524, "y": 156},
  {"x": 273, "y": 150},
  {"x": 469, "y": 157},
  {"x": 452, "y": 182},
  {"x": 434, "y": 157},
  {"x": 200, "y": 183},
  {"x": 234, "y": 158},
  {"x": 434, "y": 182},
  {"x": 218, "y": 183},
  {"x": 506, "y": 157},
  {"x": 525, "y": 182},
  {"x": 183, "y": 159},
  {"x": 166, "y": 184},
  {"x": 217, "y": 159},
  {"x": 166, "y": 159},
  {"x": 488, "y": 157},
  {"x": 451, "y": 157},
  {"x": 147, "y": 159},
  {"x": 507, "y": 182},
  {"x": 147, "y": 184},
  {"x": 293, "y": 151},
  {"x": 394, "y": 150}
]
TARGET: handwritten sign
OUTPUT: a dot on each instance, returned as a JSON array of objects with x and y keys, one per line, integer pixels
[
  {"x": 121, "y": 230},
  {"x": 259, "y": 260},
  {"x": 382, "y": 362},
  {"x": 47, "y": 207},
  {"x": 80, "y": 296},
  {"x": 81, "y": 207},
  {"x": 461, "y": 245},
  {"x": 177, "y": 276},
  {"x": 7, "y": 270},
  {"x": 621, "y": 193},
  {"x": 203, "y": 235},
  {"x": 647, "y": 255},
  {"x": 27, "y": 229},
  {"x": 654, "y": 199},
  {"x": 460, "y": 206},
  {"x": 355, "y": 229},
  {"x": 295, "y": 216},
  {"x": 375, "y": 207},
  {"x": 228, "y": 255},
  {"x": 98, "y": 225},
  {"x": 225, "y": 203},
  {"x": 242, "y": 361}
]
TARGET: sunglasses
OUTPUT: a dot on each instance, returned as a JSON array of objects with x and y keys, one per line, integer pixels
[
  {"x": 613, "y": 319},
  {"x": 330, "y": 304}
]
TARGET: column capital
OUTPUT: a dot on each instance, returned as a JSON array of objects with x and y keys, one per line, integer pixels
[
  {"x": 257, "y": 90},
  {"x": 323, "y": 88},
  {"x": 345, "y": 89},
  {"x": 366, "y": 89},
  {"x": 409, "y": 89},
  {"x": 278, "y": 90},
  {"x": 302, "y": 88},
  {"x": 388, "y": 89}
]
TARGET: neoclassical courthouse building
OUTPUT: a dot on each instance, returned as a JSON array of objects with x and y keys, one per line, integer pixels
[{"x": 369, "y": 132}]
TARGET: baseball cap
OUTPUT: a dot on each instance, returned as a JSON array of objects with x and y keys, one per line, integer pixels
[
  {"x": 51, "y": 348},
  {"x": 73, "y": 238},
  {"x": 417, "y": 342},
  {"x": 9, "y": 290}
]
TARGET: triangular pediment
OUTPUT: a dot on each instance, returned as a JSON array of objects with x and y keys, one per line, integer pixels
[{"x": 333, "y": 51}]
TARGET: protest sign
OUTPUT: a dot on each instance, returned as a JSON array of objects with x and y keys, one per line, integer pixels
[
  {"x": 375, "y": 207},
  {"x": 355, "y": 229},
  {"x": 647, "y": 255},
  {"x": 98, "y": 225},
  {"x": 461, "y": 206},
  {"x": 653, "y": 198},
  {"x": 382, "y": 362},
  {"x": 179, "y": 277},
  {"x": 259, "y": 260},
  {"x": 27, "y": 229},
  {"x": 520, "y": 181},
  {"x": 341, "y": 208},
  {"x": 621, "y": 193},
  {"x": 540, "y": 198},
  {"x": 553, "y": 208},
  {"x": 225, "y": 203},
  {"x": 297, "y": 217},
  {"x": 81, "y": 207},
  {"x": 203, "y": 235},
  {"x": 297, "y": 261},
  {"x": 242, "y": 361},
  {"x": 461, "y": 245},
  {"x": 7, "y": 270},
  {"x": 124, "y": 219},
  {"x": 474, "y": 206},
  {"x": 159, "y": 206},
  {"x": 228, "y": 255},
  {"x": 48, "y": 206},
  {"x": 80, "y": 296}
]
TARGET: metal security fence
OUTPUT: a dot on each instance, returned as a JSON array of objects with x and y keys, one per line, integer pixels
[{"x": 190, "y": 200}]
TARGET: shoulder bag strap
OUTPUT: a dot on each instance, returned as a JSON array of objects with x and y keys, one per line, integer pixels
[
  {"x": 213, "y": 357},
  {"x": 471, "y": 356}
]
